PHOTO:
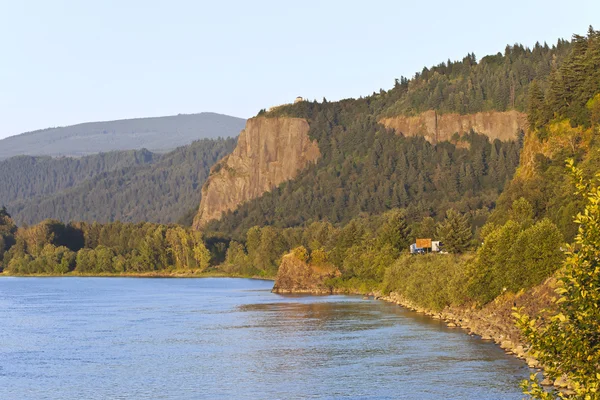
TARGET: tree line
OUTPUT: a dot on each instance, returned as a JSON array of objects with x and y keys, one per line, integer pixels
[
  {"x": 497, "y": 82},
  {"x": 52, "y": 247}
]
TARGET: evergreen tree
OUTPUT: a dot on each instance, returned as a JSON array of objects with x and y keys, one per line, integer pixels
[
  {"x": 535, "y": 106},
  {"x": 395, "y": 231},
  {"x": 455, "y": 232}
]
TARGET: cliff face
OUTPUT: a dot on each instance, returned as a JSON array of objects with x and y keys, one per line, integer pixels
[
  {"x": 296, "y": 276},
  {"x": 440, "y": 127},
  {"x": 269, "y": 151}
]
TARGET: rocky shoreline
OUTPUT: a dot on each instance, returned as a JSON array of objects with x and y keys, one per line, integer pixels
[
  {"x": 494, "y": 322},
  {"x": 474, "y": 323}
]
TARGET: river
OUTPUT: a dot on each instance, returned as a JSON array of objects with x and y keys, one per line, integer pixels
[{"x": 223, "y": 338}]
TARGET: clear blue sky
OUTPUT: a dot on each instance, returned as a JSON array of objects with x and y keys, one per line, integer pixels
[{"x": 64, "y": 62}]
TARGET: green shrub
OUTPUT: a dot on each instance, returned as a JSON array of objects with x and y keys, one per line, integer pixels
[{"x": 432, "y": 281}]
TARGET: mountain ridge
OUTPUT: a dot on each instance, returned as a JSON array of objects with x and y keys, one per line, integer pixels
[{"x": 157, "y": 134}]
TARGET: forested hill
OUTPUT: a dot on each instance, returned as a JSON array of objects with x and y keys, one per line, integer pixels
[
  {"x": 25, "y": 177},
  {"x": 564, "y": 116},
  {"x": 130, "y": 186},
  {"x": 159, "y": 134},
  {"x": 366, "y": 169},
  {"x": 497, "y": 82}
]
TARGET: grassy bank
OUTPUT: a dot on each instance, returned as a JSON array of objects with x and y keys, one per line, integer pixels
[{"x": 156, "y": 274}]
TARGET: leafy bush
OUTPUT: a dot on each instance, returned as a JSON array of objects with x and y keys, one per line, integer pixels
[
  {"x": 433, "y": 281},
  {"x": 569, "y": 344},
  {"x": 515, "y": 256}
]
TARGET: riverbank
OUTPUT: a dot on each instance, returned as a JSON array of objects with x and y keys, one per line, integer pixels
[
  {"x": 494, "y": 322},
  {"x": 172, "y": 274}
]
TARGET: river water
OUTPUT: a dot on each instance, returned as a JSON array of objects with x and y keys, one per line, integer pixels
[{"x": 221, "y": 338}]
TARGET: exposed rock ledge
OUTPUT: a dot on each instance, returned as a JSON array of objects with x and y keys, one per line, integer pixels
[{"x": 440, "y": 127}]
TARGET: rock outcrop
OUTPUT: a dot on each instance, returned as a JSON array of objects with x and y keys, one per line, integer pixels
[
  {"x": 297, "y": 276},
  {"x": 440, "y": 127},
  {"x": 269, "y": 151}
]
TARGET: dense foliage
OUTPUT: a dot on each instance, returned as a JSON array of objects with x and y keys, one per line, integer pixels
[
  {"x": 7, "y": 233},
  {"x": 361, "y": 249},
  {"x": 565, "y": 118},
  {"x": 432, "y": 281},
  {"x": 126, "y": 186},
  {"x": 568, "y": 345},
  {"x": 52, "y": 247},
  {"x": 497, "y": 82},
  {"x": 26, "y": 177},
  {"x": 517, "y": 255},
  {"x": 571, "y": 86}
]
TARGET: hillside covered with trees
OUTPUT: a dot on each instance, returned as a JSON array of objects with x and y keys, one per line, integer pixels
[
  {"x": 564, "y": 115},
  {"x": 132, "y": 186},
  {"x": 25, "y": 177},
  {"x": 497, "y": 82},
  {"x": 367, "y": 169}
]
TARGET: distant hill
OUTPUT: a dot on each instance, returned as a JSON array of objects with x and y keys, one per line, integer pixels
[
  {"x": 160, "y": 134},
  {"x": 130, "y": 186}
]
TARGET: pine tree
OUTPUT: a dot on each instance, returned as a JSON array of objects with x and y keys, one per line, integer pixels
[
  {"x": 395, "y": 231},
  {"x": 535, "y": 106},
  {"x": 455, "y": 232}
]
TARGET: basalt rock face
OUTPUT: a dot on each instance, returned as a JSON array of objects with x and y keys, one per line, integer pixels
[
  {"x": 296, "y": 276},
  {"x": 440, "y": 127},
  {"x": 269, "y": 151}
]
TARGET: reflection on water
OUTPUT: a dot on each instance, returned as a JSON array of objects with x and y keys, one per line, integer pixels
[{"x": 99, "y": 338}]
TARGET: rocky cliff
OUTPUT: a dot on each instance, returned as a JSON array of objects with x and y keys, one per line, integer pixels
[
  {"x": 297, "y": 276},
  {"x": 439, "y": 127},
  {"x": 269, "y": 151}
]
